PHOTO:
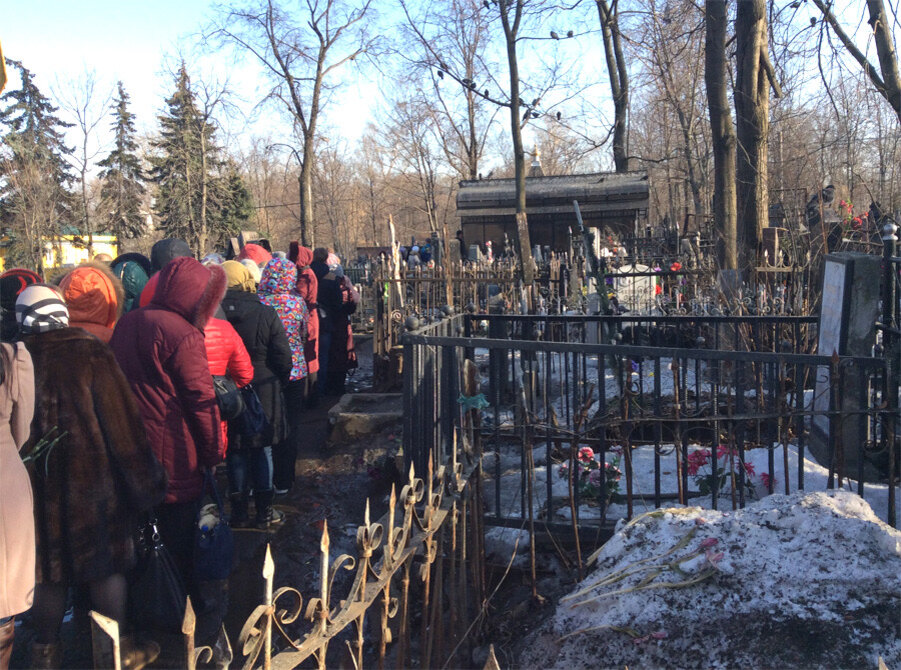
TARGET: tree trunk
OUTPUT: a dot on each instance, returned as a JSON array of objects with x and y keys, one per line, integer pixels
[
  {"x": 523, "y": 243},
  {"x": 752, "y": 125},
  {"x": 885, "y": 49},
  {"x": 723, "y": 136},
  {"x": 619, "y": 84}
]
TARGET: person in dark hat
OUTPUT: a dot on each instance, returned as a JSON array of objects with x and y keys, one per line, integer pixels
[
  {"x": 12, "y": 283},
  {"x": 165, "y": 250}
]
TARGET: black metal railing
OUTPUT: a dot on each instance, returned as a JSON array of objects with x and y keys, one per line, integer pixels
[{"x": 678, "y": 422}]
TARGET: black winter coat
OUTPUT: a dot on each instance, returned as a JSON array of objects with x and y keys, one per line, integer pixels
[{"x": 267, "y": 343}]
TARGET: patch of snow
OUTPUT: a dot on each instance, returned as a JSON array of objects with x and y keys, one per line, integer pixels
[{"x": 801, "y": 580}]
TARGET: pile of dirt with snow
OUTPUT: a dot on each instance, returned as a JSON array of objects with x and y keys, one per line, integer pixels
[{"x": 801, "y": 580}]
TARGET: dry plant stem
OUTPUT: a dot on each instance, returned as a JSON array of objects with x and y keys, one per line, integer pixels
[{"x": 625, "y": 572}]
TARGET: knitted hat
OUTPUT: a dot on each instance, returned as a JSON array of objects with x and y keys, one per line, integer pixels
[
  {"x": 40, "y": 308},
  {"x": 12, "y": 283},
  {"x": 254, "y": 269}
]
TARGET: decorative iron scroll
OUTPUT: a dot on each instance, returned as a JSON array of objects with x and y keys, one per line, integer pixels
[{"x": 410, "y": 527}]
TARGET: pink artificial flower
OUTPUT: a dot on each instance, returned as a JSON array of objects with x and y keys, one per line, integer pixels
[
  {"x": 709, "y": 542},
  {"x": 594, "y": 477},
  {"x": 696, "y": 460},
  {"x": 722, "y": 451},
  {"x": 765, "y": 478},
  {"x": 676, "y": 266},
  {"x": 586, "y": 454},
  {"x": 616, "y": 449},
  {"x": 749, "y": 469},
  {"x": 659, "y": 635}
]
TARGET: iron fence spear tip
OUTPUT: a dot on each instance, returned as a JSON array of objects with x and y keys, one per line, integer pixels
[
  {"x": 268, "y": 564},
  {"x": 190, "y": 619}
]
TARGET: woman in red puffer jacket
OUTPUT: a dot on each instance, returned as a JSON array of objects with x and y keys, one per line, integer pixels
[{"x": 227, "y": 355}]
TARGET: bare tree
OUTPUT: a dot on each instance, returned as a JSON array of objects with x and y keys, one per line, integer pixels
[
  {"x": 618, "y": 74},
  {"x": 86, "y": 104},
  {"x": 300, "y": 52},
  {"x": 753, "y": 80},
  {"x": 723, "y": 132},
  {"x": 885, "y": 78},
  {"x": 454, "y": 39}
]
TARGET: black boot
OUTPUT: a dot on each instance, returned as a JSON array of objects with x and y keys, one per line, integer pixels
[
  {"x": 266, "y": 515},
  {"x": 239, "y": 516}
]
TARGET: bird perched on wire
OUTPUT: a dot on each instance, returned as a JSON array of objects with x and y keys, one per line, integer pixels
[{"x": 554, "y": 36}]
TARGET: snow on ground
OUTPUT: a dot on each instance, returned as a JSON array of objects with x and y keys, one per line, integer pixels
[
  {"x": 815, "y": 479},
  {"x": 800, "y": 581}
]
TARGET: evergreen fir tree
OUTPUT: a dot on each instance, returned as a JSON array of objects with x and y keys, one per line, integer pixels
[
  {"x": 123, "y": 189},
  {"x": 236, "y": 208},
  {"x": 187, "y": 170},
  {"x": 35, "y": 204}
]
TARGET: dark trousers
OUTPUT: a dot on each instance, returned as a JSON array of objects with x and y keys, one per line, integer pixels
[
  {"x": 176, "y": 523},
  {"x": 284, "y": 454}
]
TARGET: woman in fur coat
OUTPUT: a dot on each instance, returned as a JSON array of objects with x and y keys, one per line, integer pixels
[{"x": 95, "y": 473}]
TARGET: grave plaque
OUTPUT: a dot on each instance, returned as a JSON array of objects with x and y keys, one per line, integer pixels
[{"x": 848, "y": 313}]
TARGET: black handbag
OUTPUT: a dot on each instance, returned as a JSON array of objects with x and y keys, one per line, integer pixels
[
  {"x": 252, "y": 421},
  {"x": 157, "y": 594},
  {"x": 214, "y": 544},
  {"x": 228, "y": 396}
]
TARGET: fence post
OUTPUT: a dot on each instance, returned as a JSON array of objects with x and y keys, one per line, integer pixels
[
  {"x": 410, "y": 425},
  {"x": 890, "y": 341}
]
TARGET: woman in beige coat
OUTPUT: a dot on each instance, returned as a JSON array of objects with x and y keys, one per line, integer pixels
[{"x": 16, "y": 510}]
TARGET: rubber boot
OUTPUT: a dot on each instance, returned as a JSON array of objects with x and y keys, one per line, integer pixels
[
  {"x": 46, "y": 656},
  {"x": 135, "y": 655},
  {"x": 7, "y": 633},
  {"x": 266, "y": 515},
  {"x": 239, "y": 517}
]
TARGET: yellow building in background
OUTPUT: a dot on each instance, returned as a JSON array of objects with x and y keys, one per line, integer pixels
[{"x": 70, "y": 250}]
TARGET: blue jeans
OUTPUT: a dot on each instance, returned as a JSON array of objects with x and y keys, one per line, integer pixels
[{"x": 258, "y": 461}]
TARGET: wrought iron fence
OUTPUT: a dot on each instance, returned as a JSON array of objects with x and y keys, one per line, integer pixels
[
  {"x": 422, "y": 561},
  {"x": 678, "y": 421}
]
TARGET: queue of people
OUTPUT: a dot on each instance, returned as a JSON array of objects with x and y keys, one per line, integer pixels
[{"x": 111, "y": 419}]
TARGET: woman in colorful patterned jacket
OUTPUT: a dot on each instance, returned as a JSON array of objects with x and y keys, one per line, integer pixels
[{"x": 278, "y": 289}]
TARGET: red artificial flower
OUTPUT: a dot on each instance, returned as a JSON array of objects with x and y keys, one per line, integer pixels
[
  {"x": 696, "y": 460},
  {"x": 658, "y": 289},
  {"x": 765, "y": 478},
  {"x": 749, "y": 469},
  {"x": 586, "y": 454},
  {"x": 676, "y": 266},
  {"x": 722, "y": 451}
]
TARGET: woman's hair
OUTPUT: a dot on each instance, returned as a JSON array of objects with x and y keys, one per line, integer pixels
[
  {"x": 5, "y": 362},
  {"x": 320, "y": 254}
]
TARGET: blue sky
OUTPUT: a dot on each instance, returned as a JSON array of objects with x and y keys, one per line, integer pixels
[{"x": 132, "y": 40}]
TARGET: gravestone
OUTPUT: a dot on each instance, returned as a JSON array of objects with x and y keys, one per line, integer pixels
[{"x": 847, "y": 326}]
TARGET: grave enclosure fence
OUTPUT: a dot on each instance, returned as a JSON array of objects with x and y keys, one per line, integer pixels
[{"x": 649, "y": 392}]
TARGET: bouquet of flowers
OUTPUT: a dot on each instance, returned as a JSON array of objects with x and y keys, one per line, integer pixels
[{"x": 588, "y": 476}]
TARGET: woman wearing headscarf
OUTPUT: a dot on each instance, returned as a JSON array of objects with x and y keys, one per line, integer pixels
[
  {"x": 249, "y": 459},
  {"x": 95, "y": 299},
  {"x": 278, "y": 289},
  {"x": 16, "y": 503},
  {"x": 256, "y": 253},
  {"x": 133, "y": 270},
  {"x": 308, "y": 287},
  {"x": 92, "y": 481}
]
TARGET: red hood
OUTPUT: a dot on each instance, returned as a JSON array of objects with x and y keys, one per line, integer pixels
[
  {"x": 189, "y": 289},
  {"x": 256, "y": 253}
]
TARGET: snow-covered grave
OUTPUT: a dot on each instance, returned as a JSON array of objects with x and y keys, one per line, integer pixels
[{"x": 808, "y": 580}]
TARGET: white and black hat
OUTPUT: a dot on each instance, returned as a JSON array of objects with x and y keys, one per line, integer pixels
[{"x": 40, "y": 308}]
